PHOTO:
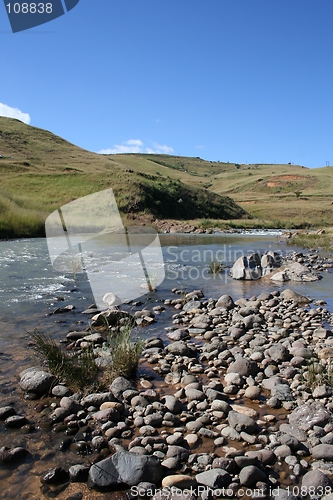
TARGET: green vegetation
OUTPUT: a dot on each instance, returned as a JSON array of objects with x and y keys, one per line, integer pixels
[
  {"x": 41, "y": 172},
  {"x": 77, "y": 369},
  {"x": 317, "y": 373},
  {"x": 320, "y": 239},
  {"x": 125, "y": 352},
  {"x": 215, "y": 267}
]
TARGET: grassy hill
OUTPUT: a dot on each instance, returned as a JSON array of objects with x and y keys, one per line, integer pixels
[{"x": 41, "y": 171}]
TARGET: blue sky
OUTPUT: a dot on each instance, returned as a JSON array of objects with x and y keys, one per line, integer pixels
[{"x": 228, "y": 80}]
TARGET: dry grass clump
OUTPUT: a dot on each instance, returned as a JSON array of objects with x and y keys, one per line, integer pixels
[{"x": 77, "y": 369}]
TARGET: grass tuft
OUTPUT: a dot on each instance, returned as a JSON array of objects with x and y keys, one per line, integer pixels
[
  {"x": 77, "y": 369},
  {"x": 125, "y": 352}
]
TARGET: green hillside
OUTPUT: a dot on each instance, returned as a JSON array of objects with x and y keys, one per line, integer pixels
[{"x": 41, "y": 171}]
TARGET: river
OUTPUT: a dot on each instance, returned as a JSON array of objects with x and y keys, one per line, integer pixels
[{"x": 30, "y": 291}]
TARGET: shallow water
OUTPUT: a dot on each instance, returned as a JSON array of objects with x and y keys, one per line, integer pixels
[{"x": 30, "y": 290}]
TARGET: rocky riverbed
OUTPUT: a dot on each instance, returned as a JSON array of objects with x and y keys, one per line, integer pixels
[{"x": 235, "y": 400}]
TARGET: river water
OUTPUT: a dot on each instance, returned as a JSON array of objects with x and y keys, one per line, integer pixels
[{"x": 30, "y": 290}]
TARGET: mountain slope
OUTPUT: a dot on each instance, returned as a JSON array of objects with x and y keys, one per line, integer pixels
[{"x": 41, "y": 172}]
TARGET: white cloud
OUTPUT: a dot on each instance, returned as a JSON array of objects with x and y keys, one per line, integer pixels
[
  {"x": 9, "y": 112},
  {"x": 136, "y": 146}
]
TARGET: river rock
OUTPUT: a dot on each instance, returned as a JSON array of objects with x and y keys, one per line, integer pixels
[
  {"x": 278, "y": 352},
  {"x": 181, "y": 481},
  {"x": 11, "y": 455},
  {"x": 177, "y": 452},
  {"x": 179, "y": 334},
  {"x": 316, "y": 480},
  {"x": 214, "y": 478},
  {"x": 241, "y": 422},
  {"x": 323, "y": 452},
  {"x": 243, "y": 367},
  {"x": 37, "y": 381},
  {"x": 16, "y": 421},
  {"x": 250, "y": 475},
  {"x": 56, "y": 475},
  {"x": 78, "y": 473},
  {"x": 6, "y": 411},
  {"x": 226, "y": 302},
  {"x": 119, "y": 385},
  {"x": 288, "y": 294},
  {"x": 173, "y": 404},
  {"x": 97, "y": 399},
  {"x": 194, "y": 394},
  {"x": 192, "y": 305},
  {"x": 124, "y": 468},
  {"x": 282, "y": 392},
  {"x": 252, "y": 392},
  {"x": 308, "y": 415},
  {"x": 181, "y": 348},
  {"x": 60, "y": 391},
  {"x": 247, "y": 268}
]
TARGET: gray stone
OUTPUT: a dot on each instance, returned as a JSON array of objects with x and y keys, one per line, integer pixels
[
  {"x": 78, "y": 473},
  {"x": 323, "y": 452},
  {"x": 278, "y": 352},
  {"x": 243, "y": 366},
  {"x": 192, "y": 304},
  {"x": 124, "y": 468},
  {"x": 288, "y": 294},
  {"x": 250, "y": 475},
  {"x": 97, "y": 399},
  {"x": 220, "y": 405},
  {"x": 6, "y": 411},
  {"x": 315, "y": 479},
  {"x": 282, "y": 494},
  {"x": 294, "y": 431},
  {"x": 70, "y": 404},
  {"x": 154, "y": 419},
  {"x": 282, "y": 451},
  {"x": 107, "y": 415},
  {"x": 214, "y": 478},
  {"x": 307, "y": 415},
  {"x": 226, "y": 302},
  {"x": 247, "y": 268},
  {"x": 120, "y": 385},
  {"x": 241, "y": 422},
  {"x": 194, "y": 394},
  {"x": 282, "y": 392},
  {"x": 177, "y": 452},
  {"x": 60, "y": 391},
  {"x": 180, "y": 348},
  {"x": 173, "y": 404},
  {"x": 37, "y": 381},
  {"x": 179, "y": 334}
]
